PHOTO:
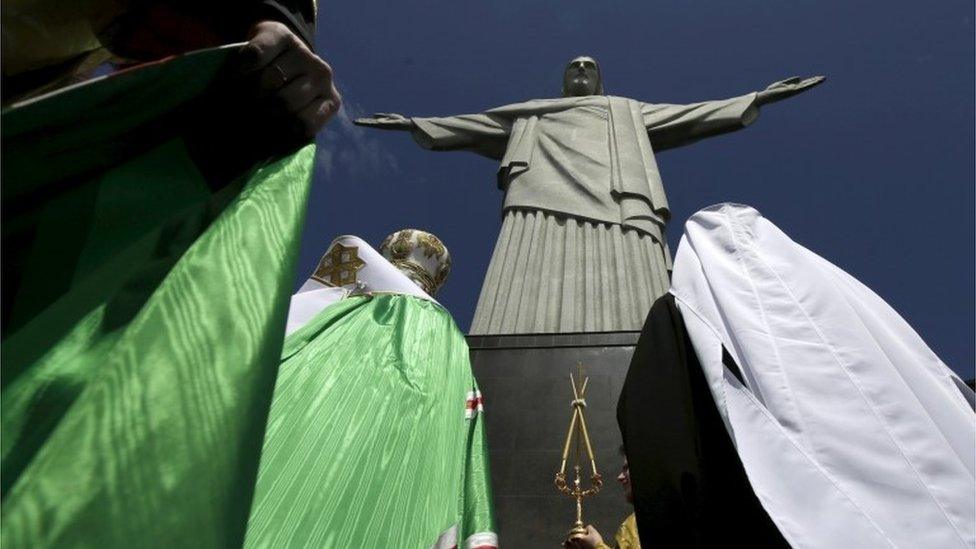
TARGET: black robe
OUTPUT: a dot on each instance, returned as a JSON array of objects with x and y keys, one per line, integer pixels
[{"x": 690, "y": 489}]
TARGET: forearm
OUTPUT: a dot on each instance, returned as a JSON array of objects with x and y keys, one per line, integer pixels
[
  {"x": 672, "y": 126},
  {"x": 475, "y": 132}
]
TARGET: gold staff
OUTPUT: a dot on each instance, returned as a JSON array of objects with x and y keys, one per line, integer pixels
[{"x": 578, "y": 425}]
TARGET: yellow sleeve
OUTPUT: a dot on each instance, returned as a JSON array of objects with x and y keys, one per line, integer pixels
[{"x": 626, "y": 536}]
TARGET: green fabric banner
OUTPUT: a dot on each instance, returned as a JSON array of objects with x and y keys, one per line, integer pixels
[
  {"x": 144, "y": 311},
  {"x": 375, "y": 436}
]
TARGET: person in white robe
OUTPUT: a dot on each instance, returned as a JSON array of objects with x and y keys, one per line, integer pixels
[{"x": 851, "y": 430}]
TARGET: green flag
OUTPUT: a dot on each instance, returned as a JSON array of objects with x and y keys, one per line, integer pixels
[
  {"x": 144, "y": 309},
  {"x": 375, "y": 436}
]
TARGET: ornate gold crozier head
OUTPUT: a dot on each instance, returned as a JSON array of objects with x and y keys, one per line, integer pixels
[
  {"x": 579, "y": 434},
  {"x": 582, "y": 77}
]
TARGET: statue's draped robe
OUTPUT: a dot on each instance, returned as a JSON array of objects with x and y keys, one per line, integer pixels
[{"x": 582, "y": 246}]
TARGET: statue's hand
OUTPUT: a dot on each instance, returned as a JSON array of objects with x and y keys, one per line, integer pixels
[
  {"x": 386, "y": 121},
  {"x": 783, "y": 89}
]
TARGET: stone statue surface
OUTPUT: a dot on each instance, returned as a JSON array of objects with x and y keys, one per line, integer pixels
[{"x": 582, "y": 246}]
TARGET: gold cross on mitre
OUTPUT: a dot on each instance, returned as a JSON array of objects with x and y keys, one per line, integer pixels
[{"x": 339, "y": 266}]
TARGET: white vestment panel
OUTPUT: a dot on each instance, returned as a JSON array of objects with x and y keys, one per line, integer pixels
[
  {"x": 853, "y": 433},
  {"x": 376, "y": 275}
]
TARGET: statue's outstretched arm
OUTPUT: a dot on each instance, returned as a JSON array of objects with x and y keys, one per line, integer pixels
[
  {"x": 671, "y": 126},
  {"x": 485, "y": 134}
]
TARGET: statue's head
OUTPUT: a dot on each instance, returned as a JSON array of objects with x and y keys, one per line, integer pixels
[
  {"x": 419, "y": 255},
  {"x": 582, "y": 77}
]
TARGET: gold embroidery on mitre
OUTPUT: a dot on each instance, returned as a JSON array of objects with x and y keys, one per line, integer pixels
[
  {"x": 417, "y": 274},
  {"x": 339, "y": 266},
  {"x": 432, "y": 246},
  {"x": 398, "y": 244}
]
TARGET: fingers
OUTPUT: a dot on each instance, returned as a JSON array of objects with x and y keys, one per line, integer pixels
[
  {"x": 298, "y": 93},
  {"x": 291, "y": 65},
  {"x": 796, "y": 84},
  {"x": 294, "y": 85},
  {"x": 815, "y": 80},
  {"x": 382, "y": 120},
  {"x": 783, "y": 83},
  {"x": 269, "y": 39},
  {"x": 280, "y": 71},
  {"x": 798, "y": 81},
  {"x": 372, "y": 123}
]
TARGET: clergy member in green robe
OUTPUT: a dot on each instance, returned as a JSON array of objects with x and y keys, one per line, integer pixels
[{"x": 375, "y": 436}]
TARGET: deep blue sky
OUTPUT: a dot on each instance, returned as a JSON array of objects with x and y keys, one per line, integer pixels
[{"x": 874, "y": 169}]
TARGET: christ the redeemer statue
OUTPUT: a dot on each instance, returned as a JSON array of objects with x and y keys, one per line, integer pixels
[{"x": 582, "y": 245}]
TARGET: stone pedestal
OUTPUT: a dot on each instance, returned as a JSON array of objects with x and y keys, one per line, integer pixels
[{"x": 525, "y": 383}]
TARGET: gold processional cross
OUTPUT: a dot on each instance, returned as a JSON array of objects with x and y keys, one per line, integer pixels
[{"x": 577, "y": 426}]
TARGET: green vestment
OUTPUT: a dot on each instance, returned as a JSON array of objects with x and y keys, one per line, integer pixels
[
  {"x": 144, "y": 311},
  {"x": 375, "y": 436}
]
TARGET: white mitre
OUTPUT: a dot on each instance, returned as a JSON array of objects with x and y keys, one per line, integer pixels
[
  {"x": 419, "y": 255},
  {"x": 350, "y": 266}
]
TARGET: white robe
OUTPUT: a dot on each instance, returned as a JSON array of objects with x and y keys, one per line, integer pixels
[{"x": 853, "y": 433}]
